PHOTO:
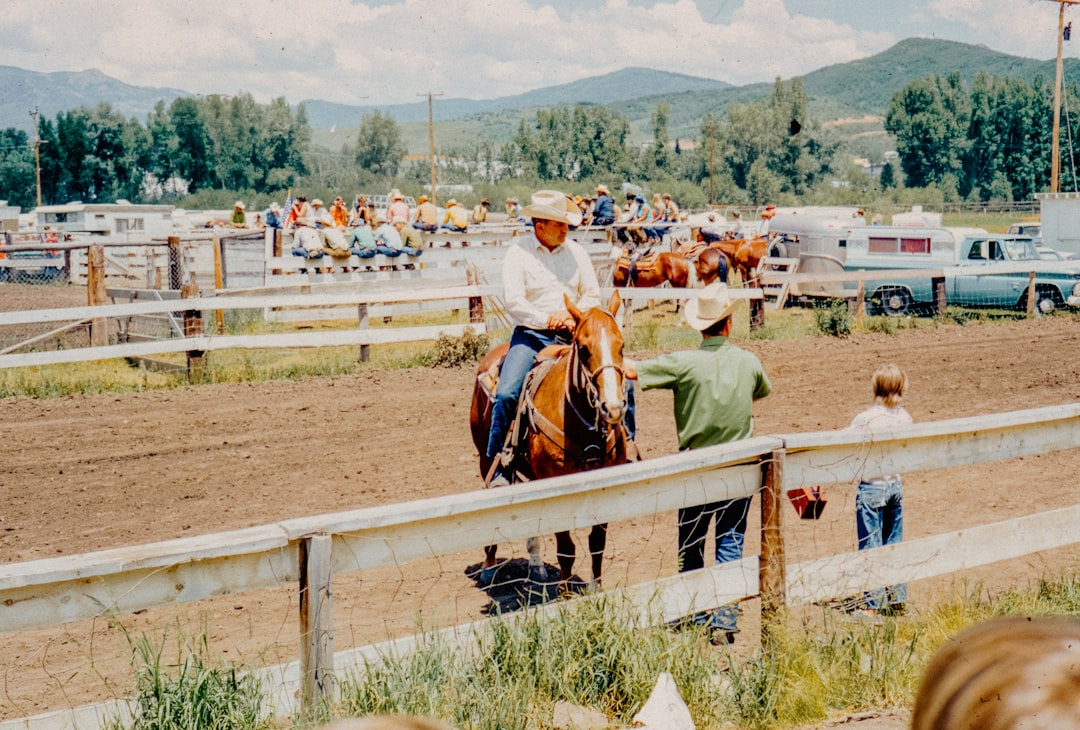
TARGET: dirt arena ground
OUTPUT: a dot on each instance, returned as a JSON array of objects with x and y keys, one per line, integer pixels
[{"x": 87, "y": 473}]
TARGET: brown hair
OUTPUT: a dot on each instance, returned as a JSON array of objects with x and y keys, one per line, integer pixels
[{"x": 889, "y": 384}]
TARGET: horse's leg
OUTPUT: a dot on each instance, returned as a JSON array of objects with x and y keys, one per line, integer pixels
[
  {"x": 567, "y": 553},
  {"x": 537, "y": 569},
  {"x": 597, "y": 543}
]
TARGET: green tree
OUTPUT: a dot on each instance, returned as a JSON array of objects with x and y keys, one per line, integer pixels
[
  {"x": 378, "y": 146},
  {"x": 17, "y": 182},
  {"x": 930, "y": 119}
]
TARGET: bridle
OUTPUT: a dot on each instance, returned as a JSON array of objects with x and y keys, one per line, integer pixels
[{"x": 601, "y": 435}]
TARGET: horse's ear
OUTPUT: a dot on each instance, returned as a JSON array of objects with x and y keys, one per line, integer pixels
[
  {"x": 574, "y": 311},
  {"x": 614, "y": 302}
]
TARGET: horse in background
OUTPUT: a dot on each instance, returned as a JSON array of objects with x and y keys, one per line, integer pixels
[
  {"x": 572, "y": 419},
  {"x": 652, "y": 270},
  {"x": 744, "y": 254}
]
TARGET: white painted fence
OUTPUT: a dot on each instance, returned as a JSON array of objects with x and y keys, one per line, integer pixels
[{"x": 54, "y": 591}]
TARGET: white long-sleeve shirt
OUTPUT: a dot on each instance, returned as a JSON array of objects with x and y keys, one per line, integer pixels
[
  {"x": 879, "y": 418},
  {"x": 535, "y": 279}
]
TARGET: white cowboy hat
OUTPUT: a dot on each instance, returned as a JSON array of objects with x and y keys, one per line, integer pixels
[
  {"x": 552, "y": 205},
  {"x": 712, "y": 305},
  {"x": 239, "y": 204}
]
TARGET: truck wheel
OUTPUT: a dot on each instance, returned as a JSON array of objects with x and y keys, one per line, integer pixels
[
  {"x": 895, "y": 302},
  {"x": 1046, "y": 301}
]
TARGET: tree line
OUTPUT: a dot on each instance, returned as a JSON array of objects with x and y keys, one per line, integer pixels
[{"x": 987, "y": 141}]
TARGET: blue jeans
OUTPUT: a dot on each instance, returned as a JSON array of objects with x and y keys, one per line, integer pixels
[
  {"x": 387, "y": 251},
  {"x": 730, "y": 531},
  {"x": 364, "y": 253},
  {"x": 879, "y": 520},
  {"x": 524, "y": 344}
]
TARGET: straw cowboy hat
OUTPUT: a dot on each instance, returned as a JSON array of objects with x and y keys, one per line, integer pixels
[
  {"x": 397, "y": 196},
  {"x": 552, "y": 205},
  {"x": 316, "y": 202},
  {"x": 451, "y": 203},
  {"x": 275, "y": 207},
  {"x": 712, "y": 305},
  {"x": 239, "y": 204},
  {"x": 603, "y": 189},
  {"x": 422, "y": 199}
]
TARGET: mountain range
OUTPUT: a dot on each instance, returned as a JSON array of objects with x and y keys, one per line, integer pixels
[{"x": 853, "y": 90}]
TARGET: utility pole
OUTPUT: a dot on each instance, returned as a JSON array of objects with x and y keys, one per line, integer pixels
[
  {"x": 431, "y": 139},
  {"x": 1055, "y": 162},
  {"x": 37, "y": 156}
]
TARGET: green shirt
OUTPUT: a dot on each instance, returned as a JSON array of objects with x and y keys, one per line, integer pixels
[{"x": 715, "y": 387}]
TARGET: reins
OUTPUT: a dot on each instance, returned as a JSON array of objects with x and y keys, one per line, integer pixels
[{"x": 579, "y": 379}]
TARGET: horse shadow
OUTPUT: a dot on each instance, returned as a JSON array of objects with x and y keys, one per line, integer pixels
[{"x": 513, "y": 587}]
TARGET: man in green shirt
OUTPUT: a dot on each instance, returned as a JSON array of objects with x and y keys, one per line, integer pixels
[{"x": 714, "y": 388}]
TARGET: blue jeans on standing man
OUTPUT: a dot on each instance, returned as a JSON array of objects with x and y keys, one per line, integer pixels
[
  {"x": 879, "y": 520},
  {"x": 730, "y": 529}
]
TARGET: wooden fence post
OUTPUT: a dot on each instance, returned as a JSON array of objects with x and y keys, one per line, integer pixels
[
  {"x": 176, "y": 271},
  {"x": 772, "y": 568},
  {"x": 219, "y": 280},
  {"x": 362, "y": 322},
  {"x": 757, "y": 307},
  {"x": 193, "y": 327},
  {"x": 1032, "y": 296},
  {"x": 941, "y": 301},
  {"x": 860, "y": 304},
  {"x": 95, "y": 293},
  {"x": 316, "y": 628},
  {"x": 476, "y": 304}
]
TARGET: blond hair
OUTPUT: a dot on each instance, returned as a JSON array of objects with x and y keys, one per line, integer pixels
[
  {"x": 387, "y": 722},
  {"x": 889, "y": 384},
  {"x": 1003, "y": 674}
]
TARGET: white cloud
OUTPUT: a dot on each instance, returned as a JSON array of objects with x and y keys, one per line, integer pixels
[{"x": 391, "y": 50}]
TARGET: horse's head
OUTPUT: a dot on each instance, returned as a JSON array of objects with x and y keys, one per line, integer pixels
[{"x": 597, "y": 362}]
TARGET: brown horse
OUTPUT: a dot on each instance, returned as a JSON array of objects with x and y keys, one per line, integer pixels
[
  {"x": 575, "y": 407},
  {"x": 652, "y": 270},
  {"x": 745, "y": 254}
]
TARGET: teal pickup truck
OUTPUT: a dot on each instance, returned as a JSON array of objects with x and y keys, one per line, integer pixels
[{"x": 960, "y": 253}]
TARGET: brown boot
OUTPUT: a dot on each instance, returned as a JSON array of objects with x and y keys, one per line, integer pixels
[{"x": 632, "y": 453}]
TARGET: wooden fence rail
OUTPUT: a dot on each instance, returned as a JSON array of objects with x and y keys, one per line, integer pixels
[{"x": 54, "y": 591}]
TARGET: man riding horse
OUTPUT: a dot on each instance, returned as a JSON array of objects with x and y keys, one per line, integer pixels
[{"x": 537, "y": 271}]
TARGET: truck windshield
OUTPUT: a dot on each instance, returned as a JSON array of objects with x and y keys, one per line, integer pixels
[{"x": 1021, "y": 249}]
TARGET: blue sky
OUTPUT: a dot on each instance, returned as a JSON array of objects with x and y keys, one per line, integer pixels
[{"x": 389, "y": 51}]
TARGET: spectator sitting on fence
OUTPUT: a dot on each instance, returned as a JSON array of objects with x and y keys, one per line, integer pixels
[
  {"x": 480, "y": 211},
  {"x": 456, "y": 218},
  {"x": 306, "y": 239},
  {"x": 427, "y": 215},
  {"x": 603, "y": 211},
  {"x": 398, "y": 208},
  {"x": 412, "y": 241},
  {"x": 273, "y": 216},
  {"x": 387, "y": 239},
  {"x": 238, "y": 219},
  {"x": 340, "y": 213},
  {"x": 361, "y": 214},
  {"x": 333, "y": 239},
  {"x": 671, "y": 211},
  {"x": 513, "y": 210},
  {"x": 362, "y": 242},
  {"x": 299, "y": 213},
  {"x": 714, "y": 389}
]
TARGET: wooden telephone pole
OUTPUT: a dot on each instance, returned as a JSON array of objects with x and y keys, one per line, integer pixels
[
  {"x": 37, "y": 156},
  {"x": 1055, "y": 161},
  {"x": 431, "y": 139}
]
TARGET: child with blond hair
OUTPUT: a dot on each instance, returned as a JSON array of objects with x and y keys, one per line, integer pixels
[{"x": 879, "y": 503}]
